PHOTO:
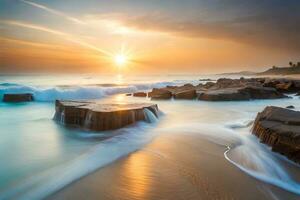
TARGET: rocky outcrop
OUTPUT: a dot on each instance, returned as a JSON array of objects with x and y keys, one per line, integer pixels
[
  {"x": 280, "y": 129},
  {"x": 18, "y": 97},
  {"x": 226, "y": 89},
  {"x": 140, "y": 94},
  {"x": 239, "y": 94},
  {"x": 186, "y": 94},
  {"x": 261, "y": 92},
  {"x": 157, "y": 94},
  {"x": 290, "y": 107},
  {"x": 223, "y": 95},
  {"x": 283, "y": 85},
  {"x": 94, "y": 116}
]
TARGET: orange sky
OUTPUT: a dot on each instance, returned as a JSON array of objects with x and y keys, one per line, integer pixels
[{"x": 44, "y": 38}]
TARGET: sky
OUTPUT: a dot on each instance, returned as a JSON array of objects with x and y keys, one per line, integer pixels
[{"x": 147, "y": 36}]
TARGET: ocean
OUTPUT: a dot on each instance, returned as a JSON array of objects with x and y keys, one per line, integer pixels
[{"x": 40, "y": 156}]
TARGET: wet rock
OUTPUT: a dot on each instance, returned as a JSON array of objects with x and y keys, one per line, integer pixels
[
  {"x": 239, "y": 94},
  {"x": 18, "y": 97},
  {"x": 140, "y": 94},
  {"x": 188, "y": 85},
  {"x": 223, "y": 95},
  {"x": 208, "y": 85},
  {"x": 262, "y": 92},
  {"x": 94, "y": 116},
  {"x": 280, "y": 129},
  {"x": 186, "y": 94},
  {"x": 162, "y": 93},
  {"x": 206, "y": 79},
  {"x": 284, "y": 87},
  {"x": 290, "y": 107}
]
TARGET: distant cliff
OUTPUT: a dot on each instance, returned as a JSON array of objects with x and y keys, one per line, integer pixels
[{"x": 293, "y": 69}]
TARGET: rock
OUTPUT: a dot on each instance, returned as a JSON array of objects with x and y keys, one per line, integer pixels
[
  {"x": 18, "y": 97},
  {"x": 140, "y": 94},
  {"x": 224, "y": 95},
  {"x": 290, "y": 107},
  {"x": 285, "y": 87},
  {"x": 239, "y": 94},
  {"x": 171, "y": 87},
  {"x": 94, "y": 116},
  {"x": 188, "y": 85},
  {"x": 261, "y": 92},
  {"x": 162, "y": 93},
  {"x": 280, "y": 129},
  {"x": 208, "y": 85},
  {"x": 128, "y": 94},
  {"x": 206, "y": 79},
  {"x": 186, "y": 94}
]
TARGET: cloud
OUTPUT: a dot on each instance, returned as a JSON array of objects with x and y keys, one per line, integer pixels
[
  {"x": 64, "y": 35},
  {"x": 53, "y": 11},
  {"x": 267, "y": 29}
]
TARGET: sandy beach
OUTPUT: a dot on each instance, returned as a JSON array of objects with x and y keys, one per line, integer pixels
[{"x": 177, "y": 166}]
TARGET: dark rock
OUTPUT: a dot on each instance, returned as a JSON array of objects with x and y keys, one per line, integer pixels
[
  {"x": 239, "y": 94},
  {"x": 129, "y": 94},
  {"x": 99, "y": 117},
  {"x": 284, "y": 87},
  {"x": 186, "y": 94},
  {"x": 261, "y": 92},
  {"x": 208, "y": 85},
  {"x": 140, "y": 94},
  {"x": 280, "y": 129},
  {"x": 224, "y": 95},
  {"x": 171, "y": 87},
  {"x": 290, "y": 107},
  {"x": 205, "y": 79},
  {"x": 188, "y": 85},
  {"x": 162, "y": 93},
  {"x": 18, "y": 97}
]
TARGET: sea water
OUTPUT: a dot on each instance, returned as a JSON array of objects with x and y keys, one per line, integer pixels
[{"x": 40, "y": 156}]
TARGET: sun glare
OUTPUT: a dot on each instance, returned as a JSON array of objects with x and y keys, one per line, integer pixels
[{"x": 120, "y": 59}]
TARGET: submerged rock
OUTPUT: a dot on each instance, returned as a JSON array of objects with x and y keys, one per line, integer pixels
[
  {"x": 140, "y": 94},
  {"x": 95, "y": 116},
  {"x": 18, "y": 97},
  {"x": 290, "y": 107},
  {"x": 280, "y": 129}
]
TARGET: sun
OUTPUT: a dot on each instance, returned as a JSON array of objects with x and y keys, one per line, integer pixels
[{"x": 120, "y": 59}]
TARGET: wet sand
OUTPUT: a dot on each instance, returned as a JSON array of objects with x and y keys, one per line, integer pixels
[{"x": 172, "y": 166}]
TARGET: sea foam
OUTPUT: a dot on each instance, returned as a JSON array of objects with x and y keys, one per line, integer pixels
[{"x": 51, "y": 93}]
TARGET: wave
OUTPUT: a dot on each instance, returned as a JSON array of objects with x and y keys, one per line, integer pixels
[
  {"x": 39, "y": 186},
  {"x": 244, "y": 151},
  {"x": 52, "y": 93},
  {"x": 238, "y": 125}
]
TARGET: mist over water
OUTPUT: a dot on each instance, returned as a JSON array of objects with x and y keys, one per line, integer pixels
[{"x": 41, "y": 156}]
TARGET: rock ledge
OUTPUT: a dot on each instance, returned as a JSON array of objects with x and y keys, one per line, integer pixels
[
  {"x": 95, "y": 116},
  {"x": 280, "y": 129}
]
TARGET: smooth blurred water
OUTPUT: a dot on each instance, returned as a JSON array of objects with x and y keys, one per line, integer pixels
[{"x": 39, "y": 156}]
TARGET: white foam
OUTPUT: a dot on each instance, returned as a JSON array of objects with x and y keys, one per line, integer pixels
[
  {"x": 41, "y": 185},
  {"x": 75, "y": 92}
]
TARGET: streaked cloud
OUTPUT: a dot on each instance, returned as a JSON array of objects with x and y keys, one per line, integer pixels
[
  {"x": 66, "y": 36},
  {"x": 280, "y": 31},
  {"x": 53, "y": 11}
]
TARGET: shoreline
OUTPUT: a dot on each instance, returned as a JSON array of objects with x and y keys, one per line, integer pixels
[{"x": 155, "y": 170}]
